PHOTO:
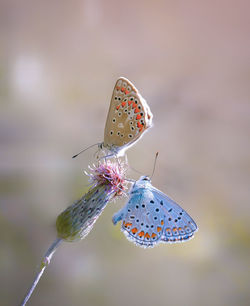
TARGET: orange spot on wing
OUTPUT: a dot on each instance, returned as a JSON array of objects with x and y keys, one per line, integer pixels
[
  {"x": 153, "y": 235},
  {"x": 134, "y": 230},
  {"x": 139, "y": 125},
  {"x": 126, "y": 91},
  {"x": 140, "y": 129},
  {"x": 141, "y": 234},
  {"x": 158, "y": 229},
  {"x": 123, "y": 222},
  {"x": 134, "y": 105},
  {"x": 149, "y": 116},
  {"x": 162, "y": 222},
  {"x": 137, "y": 110},
  {"x": 117, "y": 87},
  {"x": 128, "y": 224},
  {"x": 147, "y": 235},
  {"x": 122, "y": 89},
  {"x": 123, "y": 104},
  {"x": 129, "y": 102},
  {"x": 138, "y": 117},
  {"x": 118, "y": 106}
]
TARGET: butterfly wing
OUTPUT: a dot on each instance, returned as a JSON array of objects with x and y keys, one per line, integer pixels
[
  {"x": 150, "y": 217},
  {"x": 142, "y": 223},
  {"x": 128, "y": 118},
  {"x": 178, "y": 225}
]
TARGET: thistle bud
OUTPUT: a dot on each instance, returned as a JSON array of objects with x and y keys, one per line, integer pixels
[{"x": 107, "y": 182}]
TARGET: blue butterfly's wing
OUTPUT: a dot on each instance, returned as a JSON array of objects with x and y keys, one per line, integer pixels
[
  {"x": 178, "y": 225},
  {"x": 150, "y": 217},
  {"x": 142, "y": 221}
]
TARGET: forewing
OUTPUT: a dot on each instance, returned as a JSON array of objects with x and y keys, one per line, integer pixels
[{"x": 129, "y": 115}]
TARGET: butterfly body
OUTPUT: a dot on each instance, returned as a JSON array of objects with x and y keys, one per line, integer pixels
[
  {"x": 129, "y": 116},
  {"x": 150, "y": 217}
]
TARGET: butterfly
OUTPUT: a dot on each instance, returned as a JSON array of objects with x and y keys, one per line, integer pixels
[
  {"x": 150, "y": 217},
  {"x": 129, "y": 116}
]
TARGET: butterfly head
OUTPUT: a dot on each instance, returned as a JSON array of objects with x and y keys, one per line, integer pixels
[{"x": 143, "y": 182}]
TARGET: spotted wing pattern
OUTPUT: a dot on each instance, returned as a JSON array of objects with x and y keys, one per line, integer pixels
[
  {"x": 128, "y": 118},
  {"x": 179, "y": 226},
  {"x": 151, "y": 217}
]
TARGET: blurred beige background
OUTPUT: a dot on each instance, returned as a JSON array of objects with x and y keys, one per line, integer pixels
[{"x": 59, "y": 61}]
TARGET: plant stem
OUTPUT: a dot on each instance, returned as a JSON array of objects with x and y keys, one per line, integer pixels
[{"x": 44, "y": 263}]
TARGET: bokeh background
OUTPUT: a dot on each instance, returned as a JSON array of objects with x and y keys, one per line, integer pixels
[{"x": 59, "y": 61}]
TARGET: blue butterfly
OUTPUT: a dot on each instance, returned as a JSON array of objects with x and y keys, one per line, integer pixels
[{"x": 150, "y": 217}]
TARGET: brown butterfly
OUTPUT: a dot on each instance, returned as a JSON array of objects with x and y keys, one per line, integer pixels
[{"x": 129, "y": 116}]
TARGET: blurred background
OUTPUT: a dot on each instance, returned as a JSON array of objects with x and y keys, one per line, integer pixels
[{"x": 59, "y": 61}]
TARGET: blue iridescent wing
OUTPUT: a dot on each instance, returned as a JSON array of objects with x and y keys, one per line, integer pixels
[
  {"x": 142, "y": 222},
  {"x": 178, "y": 225},
  {"x": 150, "y": 217}
]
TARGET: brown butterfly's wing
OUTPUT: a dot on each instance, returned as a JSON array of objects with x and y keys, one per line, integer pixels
[{"x": 128, "y": 118}]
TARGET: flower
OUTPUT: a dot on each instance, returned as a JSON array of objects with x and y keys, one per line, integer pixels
[
  {"x": 111, "y": 174},
  {"x": 107, "y": 182}
]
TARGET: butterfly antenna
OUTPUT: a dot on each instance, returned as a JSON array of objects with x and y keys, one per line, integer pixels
[
  {"x": 156, "y": 156},
  {"x": 85, "y": 150}
]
